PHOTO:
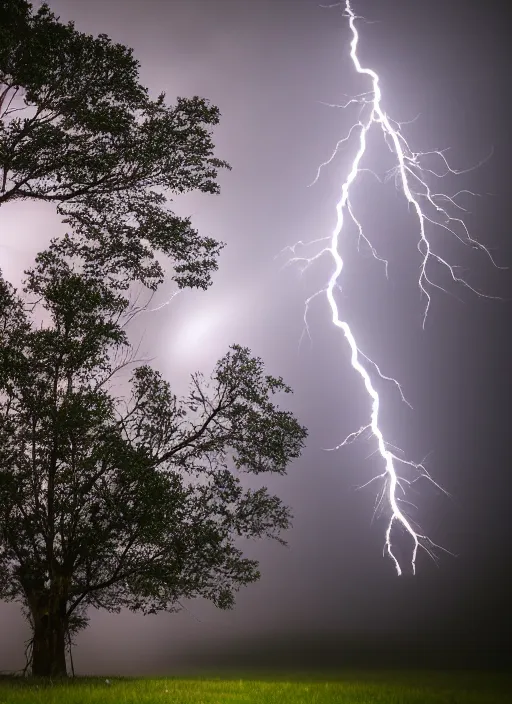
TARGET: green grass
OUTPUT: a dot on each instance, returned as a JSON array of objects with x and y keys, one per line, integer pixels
[{"x": 343, "y": 688}]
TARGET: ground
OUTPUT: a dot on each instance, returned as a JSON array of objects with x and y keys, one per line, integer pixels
[{"x": 343, "y": 688}]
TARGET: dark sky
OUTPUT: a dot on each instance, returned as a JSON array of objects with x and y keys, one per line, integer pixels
[{"x": 330, "y": 597}]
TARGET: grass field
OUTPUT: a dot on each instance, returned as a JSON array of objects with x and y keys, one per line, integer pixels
[{"x": 343, "y": 688}]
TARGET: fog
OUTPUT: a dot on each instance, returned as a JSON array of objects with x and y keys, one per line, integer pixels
[{"x": 330, "y": 598}]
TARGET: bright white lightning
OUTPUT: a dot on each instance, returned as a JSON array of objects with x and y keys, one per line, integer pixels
[{"x": 410, "y": 176}]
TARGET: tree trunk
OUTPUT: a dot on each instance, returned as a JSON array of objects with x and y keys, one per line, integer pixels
[{"x": 49, "y": 642}]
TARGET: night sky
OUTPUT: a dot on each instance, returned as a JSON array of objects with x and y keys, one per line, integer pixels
[{"x": 330, "y": 598}]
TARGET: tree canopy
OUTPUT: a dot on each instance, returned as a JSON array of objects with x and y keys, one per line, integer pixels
[
  {"x": 79, "y": 130},
  {"x": 134, "y": 501}
]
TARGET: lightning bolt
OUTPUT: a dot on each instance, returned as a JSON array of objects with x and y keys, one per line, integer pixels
[{"x": 428, "y": 206}]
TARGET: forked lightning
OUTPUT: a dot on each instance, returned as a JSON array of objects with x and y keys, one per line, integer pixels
[{"x": 431, "y": 209}]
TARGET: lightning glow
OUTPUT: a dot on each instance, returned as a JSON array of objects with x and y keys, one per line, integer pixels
[{"x": 411, "y": 179}]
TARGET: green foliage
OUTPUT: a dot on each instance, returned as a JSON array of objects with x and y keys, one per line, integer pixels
[{"x": 78, "y": 129}]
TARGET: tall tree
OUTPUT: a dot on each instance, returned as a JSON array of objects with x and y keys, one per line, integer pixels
[
  {"x": 123, "y": 502},
  {"x": 115, "y": 502},
  {"x": 79, "y": 130}
]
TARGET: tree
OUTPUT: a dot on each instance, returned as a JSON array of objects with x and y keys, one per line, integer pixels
[
  {"x": 132, "y": 501},
  {"x": 107, "y": 501},
  {"x": 78, "y": 129}
]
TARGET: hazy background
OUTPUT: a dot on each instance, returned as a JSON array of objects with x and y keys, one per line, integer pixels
[{"x": 330, "y": 598}]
